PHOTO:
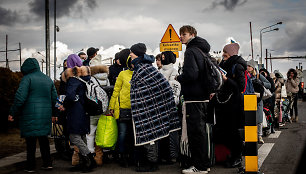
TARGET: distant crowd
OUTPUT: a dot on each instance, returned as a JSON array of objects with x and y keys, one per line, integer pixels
[{"x": 193, "y": 116}]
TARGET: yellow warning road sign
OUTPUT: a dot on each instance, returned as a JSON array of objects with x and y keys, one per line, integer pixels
[
  {"x": 170, "y": 46},
  {"x": 170, "y": 35}
]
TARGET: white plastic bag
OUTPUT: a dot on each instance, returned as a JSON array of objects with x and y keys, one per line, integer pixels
[
  {"x": 284, "y": 92},
  {"x": 267, "y": 94},
  {"x": 264, "y": 120}
]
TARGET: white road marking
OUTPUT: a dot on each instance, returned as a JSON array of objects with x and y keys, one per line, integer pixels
[
  {"x": 275, "y": 135},
  {"x": 263, "y": 152}
]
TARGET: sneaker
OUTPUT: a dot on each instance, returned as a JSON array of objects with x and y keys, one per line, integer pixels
[
  {"x": 281, "y": 124},
  {"x": 260, "y": 140},
  {"x": 46, "y": 167},
  {"x": 192, "y": 169},
  {"x": 29, "y": 171}
]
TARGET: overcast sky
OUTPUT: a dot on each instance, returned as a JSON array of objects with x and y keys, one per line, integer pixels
[{"x": 110, "y": 25}]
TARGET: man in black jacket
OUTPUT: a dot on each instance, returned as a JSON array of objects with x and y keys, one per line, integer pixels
[{"x": 194, "y": 88}]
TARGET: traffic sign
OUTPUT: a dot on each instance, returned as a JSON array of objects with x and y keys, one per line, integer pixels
[
  {"x": 170, "y": 35},
  {"x": 170, "y": 46}
]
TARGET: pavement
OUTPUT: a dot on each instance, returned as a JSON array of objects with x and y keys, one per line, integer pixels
[
  {"x": 280, "y": 154},
  {"x": 16, "y": 162}
]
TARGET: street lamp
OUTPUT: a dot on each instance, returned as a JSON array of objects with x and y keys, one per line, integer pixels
[{"x": 261, "y": 32}]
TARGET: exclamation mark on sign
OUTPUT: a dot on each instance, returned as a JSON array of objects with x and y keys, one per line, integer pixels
[{"x": 170, "y": 33}]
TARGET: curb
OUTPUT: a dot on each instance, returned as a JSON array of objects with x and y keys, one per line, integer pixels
[{"x": 16, "y": 162}]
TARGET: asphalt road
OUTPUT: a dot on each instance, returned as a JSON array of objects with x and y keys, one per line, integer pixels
[{"x": 279, "y": 155}]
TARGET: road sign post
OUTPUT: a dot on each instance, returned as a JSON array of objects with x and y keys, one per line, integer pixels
[{"x": 171, "y": 41}]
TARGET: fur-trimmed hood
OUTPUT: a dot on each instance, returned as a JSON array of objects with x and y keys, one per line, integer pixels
[{"x": 83, "y": 71}]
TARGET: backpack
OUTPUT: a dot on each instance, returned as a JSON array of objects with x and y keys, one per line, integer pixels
[
  {"x": 96, "y": 100},
  {"x": 248, "y": 85},
  {"x": 214, "y": 76}
]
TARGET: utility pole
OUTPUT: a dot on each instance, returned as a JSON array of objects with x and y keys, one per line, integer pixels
[
  {"x": 20, "y": 55},
  {"x": 267, "y": 59},
  {"x": 6, "y": 59},
  {"x": 55, "y": 59},
  {"x": 47, "y": 38},
  {"x": 270, "y": 62},
  {"x": 251, "y": 39}
]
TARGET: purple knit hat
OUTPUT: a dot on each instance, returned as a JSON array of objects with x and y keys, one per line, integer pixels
[
  {"x": 231, "y": 49},
  {"x": 73, "y": 60}
]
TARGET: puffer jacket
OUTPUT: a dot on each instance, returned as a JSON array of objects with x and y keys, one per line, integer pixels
[
  {"x": 122, "y": 90},
  {"x": 170, "y": 73},
  {"x": 192, "y": 80},
  {"x": 35, "y": 100},
  {"x": 292, "y": 85},
  {"x": 279, "y": 82},
  {"x": 101, "y": 77}
]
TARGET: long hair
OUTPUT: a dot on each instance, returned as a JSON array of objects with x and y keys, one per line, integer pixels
[{"x": 294, "y": 72}]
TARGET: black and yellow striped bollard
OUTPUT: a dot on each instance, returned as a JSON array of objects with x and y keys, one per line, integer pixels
[{"x": 250, "y": 134}]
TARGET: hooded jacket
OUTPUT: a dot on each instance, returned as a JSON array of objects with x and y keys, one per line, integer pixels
[
  {"x": 35, "y": 100},
  {"x": 77, "y": 120},
  {"x": 193, "y": 80},
  {"x": 170, "y": 73}
]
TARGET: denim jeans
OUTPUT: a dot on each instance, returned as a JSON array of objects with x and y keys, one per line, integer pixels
[{"x": 125, "y": 136}]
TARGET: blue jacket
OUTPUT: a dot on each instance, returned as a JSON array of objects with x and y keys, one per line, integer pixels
[{"x": 77, "y": 120}]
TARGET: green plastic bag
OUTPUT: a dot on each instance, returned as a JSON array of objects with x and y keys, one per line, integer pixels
[{"x": 107, "y": 132}]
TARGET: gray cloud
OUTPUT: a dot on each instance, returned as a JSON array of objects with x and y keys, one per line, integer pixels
[
  {"x": 227, "y": 4},
  {"x": 295, "y": 39},
  {"x": 8, "y": 17},
  {"x": 63, "y": 7}
]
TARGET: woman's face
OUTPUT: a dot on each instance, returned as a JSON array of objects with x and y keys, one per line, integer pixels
[
  {"x": 291, "y": 75},
  {"x": 133, "y": 56},
  {"x": 250, "y": 69},
  {"x": 225, "y": 55}
]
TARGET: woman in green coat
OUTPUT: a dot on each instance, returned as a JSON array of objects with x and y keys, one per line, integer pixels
[{"x": 34, "y": 103}]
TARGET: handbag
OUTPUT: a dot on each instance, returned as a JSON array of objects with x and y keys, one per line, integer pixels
[
  {"x": 267, "y": 94},
  {"x": 125, "y": 114}
]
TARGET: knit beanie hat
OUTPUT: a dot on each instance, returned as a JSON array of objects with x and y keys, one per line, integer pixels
[
  {"x": 232, "y": 49},
  {"x": 252, "y": 63},
  {"x": 74, "y": 60},
  {"x": 169, "y": 58},
  {"x": 139, "y": 49}
]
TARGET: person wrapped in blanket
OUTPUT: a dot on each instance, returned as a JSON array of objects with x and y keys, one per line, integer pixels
[{"x": 153, "y": 108}]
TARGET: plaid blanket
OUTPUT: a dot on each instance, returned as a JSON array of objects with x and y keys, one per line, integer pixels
[{"x": 153, "y": 108}]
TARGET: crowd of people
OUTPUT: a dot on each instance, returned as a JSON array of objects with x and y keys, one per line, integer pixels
[{"x": 163, "y": 116}]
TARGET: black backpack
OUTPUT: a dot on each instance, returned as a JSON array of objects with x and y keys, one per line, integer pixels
[{"x": 214, "y": 76}]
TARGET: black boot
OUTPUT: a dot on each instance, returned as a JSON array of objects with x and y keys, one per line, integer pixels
[
  {"x": 147, "y": 167},
  {"x": 123, "y": 160},
  {"x": 86, "y": 163},
  {"x": 92, "y": 161},
  {"x": 272, "y": 128}
]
